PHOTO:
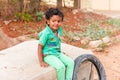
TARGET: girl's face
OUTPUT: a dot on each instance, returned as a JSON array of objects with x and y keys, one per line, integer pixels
[{"x": 55, "y": 22}]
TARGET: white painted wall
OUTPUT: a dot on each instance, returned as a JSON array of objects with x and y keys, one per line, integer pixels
[
  {"x": 100, "y": 4},
  {"x": 106, "y": 5},
  {"x": 94, "y": 4},
  {"x": 115, "y": 5}
]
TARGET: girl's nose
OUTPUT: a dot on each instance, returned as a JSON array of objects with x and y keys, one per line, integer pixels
[{"x": 56, "y": 23}]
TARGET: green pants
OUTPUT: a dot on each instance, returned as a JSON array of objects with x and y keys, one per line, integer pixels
[{"x": 63, "y": 64}]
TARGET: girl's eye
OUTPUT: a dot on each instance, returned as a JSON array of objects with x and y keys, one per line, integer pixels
[
  {"x": 56, "y": 21},
  {"x": 59, "y": 21},
  {"x": 53, "y": 21}
]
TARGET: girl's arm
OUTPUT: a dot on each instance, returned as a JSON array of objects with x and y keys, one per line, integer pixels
[{"x": 41, "y": 57}]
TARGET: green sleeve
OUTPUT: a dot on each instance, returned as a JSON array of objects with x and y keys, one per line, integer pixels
[{"x": 43, "y": 38}]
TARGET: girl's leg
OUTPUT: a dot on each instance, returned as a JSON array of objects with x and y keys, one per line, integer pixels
[
  {"x": 57, "y": 64},
  {"x": 69, "y": 64}
]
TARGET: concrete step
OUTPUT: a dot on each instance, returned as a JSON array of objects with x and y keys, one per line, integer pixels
[{"x": 20, "y": 62}]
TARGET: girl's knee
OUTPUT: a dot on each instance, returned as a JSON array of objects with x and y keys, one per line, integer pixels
[
  {"x": 60, "y": 67},
  {"x": 71, "y": 63}
]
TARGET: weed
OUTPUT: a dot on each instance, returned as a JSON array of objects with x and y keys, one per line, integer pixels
[
  {"x": 96, "y": 32},
  {"x": 103, "y": 46},
  {"x": 39, "y": 15},
  {"x": 18, "y": 16},
  {"x": 116, "y": 23},
  {"x": 24, "y": 16}
]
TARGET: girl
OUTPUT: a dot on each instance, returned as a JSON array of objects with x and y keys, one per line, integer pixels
[{"x": 49, "y": 52}]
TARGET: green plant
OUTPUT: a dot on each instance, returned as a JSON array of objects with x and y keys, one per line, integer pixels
[
  {"x": 116, "y": 23},
  {"x": 39, "y": 15},
  {"x": 113, "y": 22},
  {"x": 18, "y": 16},
  {"x": 96, "y": 32},
  {"x": 24, "y": 16},
  {"x": 103, "y": 45}
]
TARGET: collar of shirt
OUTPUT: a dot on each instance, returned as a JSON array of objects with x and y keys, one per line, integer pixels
[{"x": 59, "y": 31}]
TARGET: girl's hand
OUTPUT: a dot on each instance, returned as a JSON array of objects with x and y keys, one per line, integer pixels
[{"x": 43, "y": 64}]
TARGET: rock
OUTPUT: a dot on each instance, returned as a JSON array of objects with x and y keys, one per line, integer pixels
[
  {"x": 118, "y": 36},
  {"x": 86, "y": 40},
  {"x": 7, "y": 22},
  {"x": 76, "y": 38},
  {"x": 106, "y": 39},
  {"x": 14, "y": 20},
  {"x": 95, "y": 44},
  {"x": 98, "y": 49},
  {"x": 83, "y": 42},
  {"x": 75, "y": 11},
  {"x": 23, "y": 38}
]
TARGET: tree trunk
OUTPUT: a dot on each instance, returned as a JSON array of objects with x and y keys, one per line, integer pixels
[
  {"x": 59, "y": 4},
  {"x": 34, "y": 5},
  {"x": 77, "y": 4},
  {"x": 21, "y": 4}
]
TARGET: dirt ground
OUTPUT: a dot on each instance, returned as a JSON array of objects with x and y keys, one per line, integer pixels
[{"x": 110, "y": 60}]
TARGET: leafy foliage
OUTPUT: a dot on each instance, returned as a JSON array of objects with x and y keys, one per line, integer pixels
[
  {"x": 103, "y": 45},
  {"x": 39, "y": 15},
  {"x": 24, "y": 16},
  {"x": 95, "y": 31},
  {"x": 115, "y": 22}
]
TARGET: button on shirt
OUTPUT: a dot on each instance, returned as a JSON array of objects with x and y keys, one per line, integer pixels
[{"x": 51, "y": 42}]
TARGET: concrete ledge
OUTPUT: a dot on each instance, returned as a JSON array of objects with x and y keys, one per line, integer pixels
[{"x": 20, "y": 62}]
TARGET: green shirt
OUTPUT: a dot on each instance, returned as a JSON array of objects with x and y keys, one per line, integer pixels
[{"x": 51, "y": 42}]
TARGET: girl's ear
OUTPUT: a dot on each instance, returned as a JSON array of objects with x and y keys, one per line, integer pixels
[{"x": 48, "y": 22}]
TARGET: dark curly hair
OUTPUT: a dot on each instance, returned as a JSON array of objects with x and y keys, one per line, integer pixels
[{"x": 53, "y": 11}]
